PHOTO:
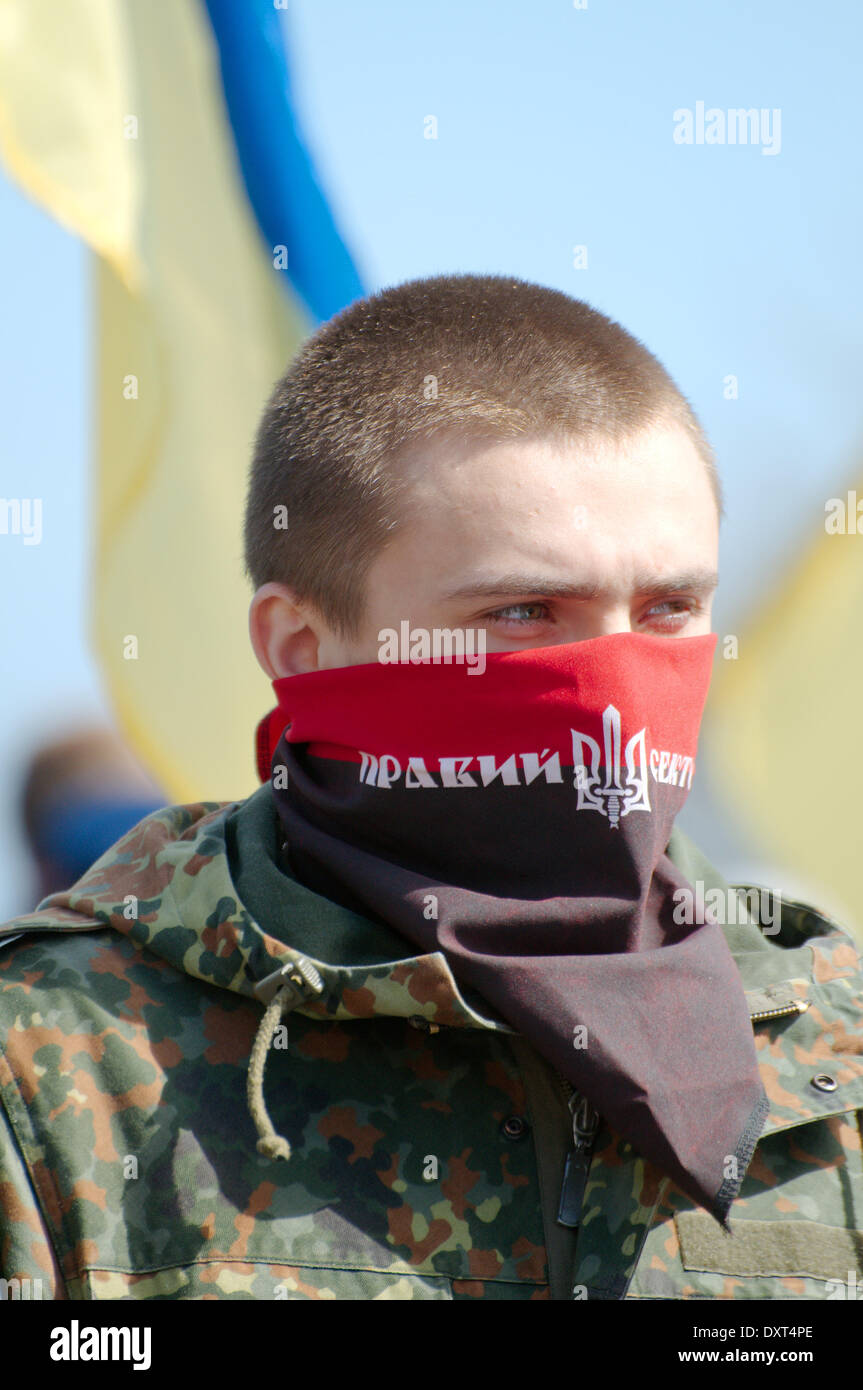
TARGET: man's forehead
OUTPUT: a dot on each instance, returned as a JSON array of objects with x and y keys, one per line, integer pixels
[
  {"x": 661, "y": 459},
  {"x": 517, "y": 518}
]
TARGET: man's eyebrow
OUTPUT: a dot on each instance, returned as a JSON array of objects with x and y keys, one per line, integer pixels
[{"x": 699, "y": 581}]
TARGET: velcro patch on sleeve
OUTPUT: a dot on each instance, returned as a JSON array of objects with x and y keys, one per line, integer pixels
[{"x": 805, "y": 1248}]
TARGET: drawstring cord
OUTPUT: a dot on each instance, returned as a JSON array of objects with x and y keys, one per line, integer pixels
[
  {"x": 271, "y": 1144},
  {"x": 284, "y": 990}
]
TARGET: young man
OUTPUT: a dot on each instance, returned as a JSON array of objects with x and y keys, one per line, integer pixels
[{"x": 442, "y": 1010}]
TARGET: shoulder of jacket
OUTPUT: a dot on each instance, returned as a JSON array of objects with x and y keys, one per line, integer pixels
[
  {"x": 799, "y": 923},
  {"x": 77, "y": 908}
]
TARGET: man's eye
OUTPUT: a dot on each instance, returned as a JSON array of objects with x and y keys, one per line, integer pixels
[
  {"x": 674, "y": 607},
  {"x": 515, "y": 613}
]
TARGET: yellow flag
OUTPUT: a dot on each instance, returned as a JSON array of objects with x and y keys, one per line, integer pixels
[
  {"x": 65, "y": 82},
  {"x": 111, "y": 115},
  {"x": 783, "y": 733}
]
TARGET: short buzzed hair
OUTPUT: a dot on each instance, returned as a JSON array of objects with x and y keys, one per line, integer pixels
[{"x": 482, "y": 357}]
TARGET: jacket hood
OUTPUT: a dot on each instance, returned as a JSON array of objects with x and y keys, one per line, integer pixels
[{"x": 192, "y": 883}]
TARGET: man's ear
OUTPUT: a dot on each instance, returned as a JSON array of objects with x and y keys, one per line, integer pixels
[{"x": 285, "y": 634}]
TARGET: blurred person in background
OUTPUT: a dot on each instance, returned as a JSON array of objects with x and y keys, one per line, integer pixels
[{"x": 79, "y": 794}]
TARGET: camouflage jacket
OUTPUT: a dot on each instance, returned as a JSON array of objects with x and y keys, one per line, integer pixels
[{"x": 427, "y": 1140}]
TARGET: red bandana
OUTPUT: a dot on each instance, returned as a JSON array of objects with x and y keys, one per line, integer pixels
[{"x": 517, "y": 821}]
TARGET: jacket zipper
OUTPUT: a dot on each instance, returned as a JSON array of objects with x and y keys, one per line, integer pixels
[
  {"x": 585, "y": 1123},
  {"x": 799, "y": 1006}
]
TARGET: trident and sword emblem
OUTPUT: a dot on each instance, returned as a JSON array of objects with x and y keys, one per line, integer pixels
[{"x": 613, "y": 799}]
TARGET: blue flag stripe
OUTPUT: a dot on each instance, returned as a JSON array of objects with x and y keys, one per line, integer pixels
[{"x": 288, "y": 203}]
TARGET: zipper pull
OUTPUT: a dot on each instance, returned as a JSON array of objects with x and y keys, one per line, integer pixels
[{"x": 585, "y": 1123}]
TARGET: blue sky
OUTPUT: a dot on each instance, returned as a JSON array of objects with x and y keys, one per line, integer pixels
[{"x": 555, "y": 130}]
